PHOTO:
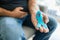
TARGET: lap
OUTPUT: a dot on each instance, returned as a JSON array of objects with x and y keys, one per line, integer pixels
[{"x": 51, "y": 24}]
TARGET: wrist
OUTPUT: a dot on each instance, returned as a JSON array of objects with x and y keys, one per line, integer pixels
[
  {"x": 33, "y": 15},
  {"x": 5, "y": 12}
]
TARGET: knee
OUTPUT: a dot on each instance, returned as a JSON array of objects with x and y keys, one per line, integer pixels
[
  {"x": 8, "y": 21},
  {"x": 10, "y": 25},
  {"x": 52, "y": 24},
  {"x": 5, "y": 28}
]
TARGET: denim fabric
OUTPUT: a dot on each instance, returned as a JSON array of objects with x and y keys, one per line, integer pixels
[
  {"x": 52, "y": 24},
  {"x": 45, "y": 36},
  {"x": 11, "y": 28}
]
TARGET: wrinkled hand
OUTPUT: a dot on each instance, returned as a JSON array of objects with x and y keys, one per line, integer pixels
[
  {"x": 17, "y": 12},
  {"x": 34, "y": 21}
]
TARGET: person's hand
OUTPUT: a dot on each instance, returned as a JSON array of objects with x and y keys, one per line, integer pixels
[
  {"x": 17, "y": 12},
  {"x": 34, "y": 21}
]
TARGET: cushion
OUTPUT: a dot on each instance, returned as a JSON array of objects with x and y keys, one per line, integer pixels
[{"x": 28, "y": 31}]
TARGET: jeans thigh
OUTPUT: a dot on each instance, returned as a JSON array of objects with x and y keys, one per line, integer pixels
[{"x": 11, "y": 28}]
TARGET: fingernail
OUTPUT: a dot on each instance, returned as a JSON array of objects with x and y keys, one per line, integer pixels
[
  {"x": 22, "y": 8},
  {"x": 47, "y": 31},
  {"x": 37, "y": 28}
]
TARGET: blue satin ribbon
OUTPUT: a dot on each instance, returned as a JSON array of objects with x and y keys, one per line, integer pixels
[{"x": 40, "y": 21}]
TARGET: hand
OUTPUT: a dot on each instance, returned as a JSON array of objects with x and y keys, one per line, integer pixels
[
  {"x": 17, "y": 12},
  {"x": 34, "y": 21},
  {"x": 46, "y": 20}
]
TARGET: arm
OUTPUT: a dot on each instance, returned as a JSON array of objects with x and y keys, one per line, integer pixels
[
  {"x": 34, "y": 8},
  {"x": 15, "y": 13},
  {"x": 4, "y": 12}
]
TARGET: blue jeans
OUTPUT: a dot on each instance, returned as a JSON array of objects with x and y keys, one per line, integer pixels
[{"x": 11, "y": 28}]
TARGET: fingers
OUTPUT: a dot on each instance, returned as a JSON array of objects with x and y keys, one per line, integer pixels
[
  {"x": 23, "y": 12},
  {"x": 45, "y": 18},
  {"x": 36, "y": 28},
  {"x": 23, "y": 15},
  {"x": 46, "y": 30},
  {"x": 46, "y": 21},
  {"x": 41, "y": 29},
  {"x": 19, "y": 8}
]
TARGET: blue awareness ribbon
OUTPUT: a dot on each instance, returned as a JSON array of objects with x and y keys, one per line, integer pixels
[{"x": 40, "y": 21}]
